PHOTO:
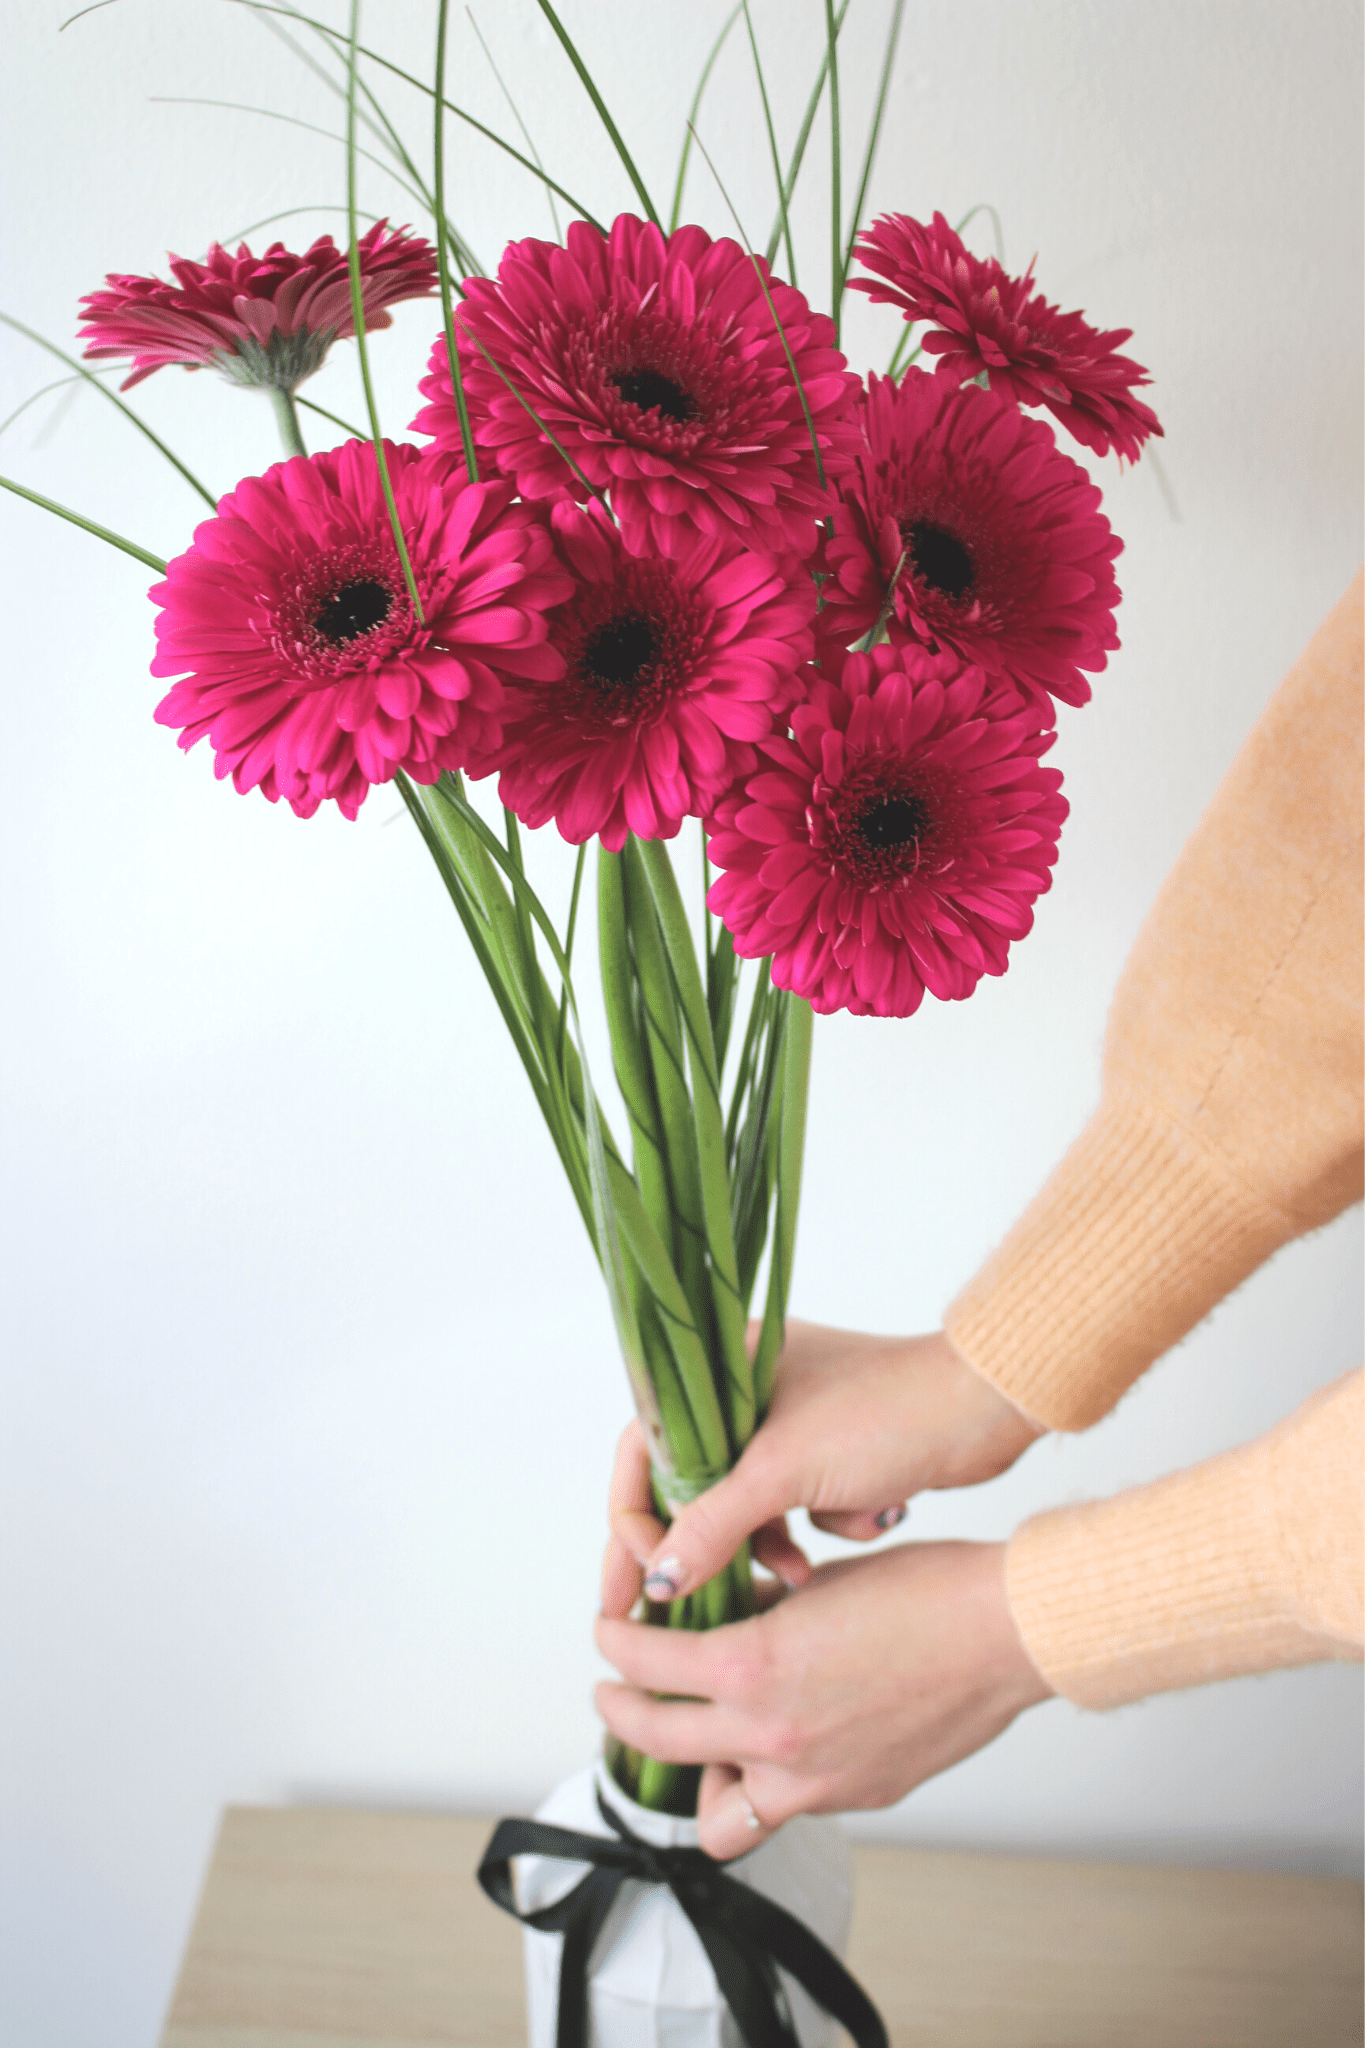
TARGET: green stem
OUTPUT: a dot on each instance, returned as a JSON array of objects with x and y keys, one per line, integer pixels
[
  {"x": 438, "y": 178},
  {"x": 836, "y": 196},
  {"x": 115, "y": 540},
  {"x": 287, "y": 420}
]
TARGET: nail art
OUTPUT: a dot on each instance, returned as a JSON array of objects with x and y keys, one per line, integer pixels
[
  {"x": 889, "y": 1517},
  {"x": 664, "y": 1579}
]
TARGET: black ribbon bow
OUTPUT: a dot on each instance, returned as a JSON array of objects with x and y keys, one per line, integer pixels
[{"x": 745, "y": 1935}]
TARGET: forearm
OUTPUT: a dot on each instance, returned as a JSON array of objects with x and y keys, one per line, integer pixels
[
  {"x": 1248, "y": 1562},
  {"x": 1230, "y": 1118}
]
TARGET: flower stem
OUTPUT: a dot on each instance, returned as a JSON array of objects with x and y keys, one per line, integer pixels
[{"x": 287, "y": 419}]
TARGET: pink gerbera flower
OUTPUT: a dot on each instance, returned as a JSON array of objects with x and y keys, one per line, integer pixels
[
  {"x": 1005, "y": 556},
  {"x": 263, "y": 320},
  {"x": 656, "y": 364},
  {"x": 988, "y": 321},
  {"x": 896, "y": 842},
  {"x": 670, "y": 669},
  {"x": 299, "y": 652}
]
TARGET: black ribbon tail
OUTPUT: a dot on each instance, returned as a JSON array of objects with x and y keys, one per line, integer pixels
[{"x": 746, "y": 1936}]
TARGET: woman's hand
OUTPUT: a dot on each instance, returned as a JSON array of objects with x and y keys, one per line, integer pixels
[
  {"x": 880, "y": 1672},
  {"x": 856, "y": 1424}
]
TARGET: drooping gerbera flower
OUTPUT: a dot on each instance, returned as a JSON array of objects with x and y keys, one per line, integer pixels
[
  {"x": 671, "y": 669},
  {"x": 300, "y": 655},
  {"x": 262, "y": 320},
  {"x": 657, "y": 366},
  {"x": 1005, "y": 556},
  {"x": 896, "y": 842},
  {"x": 986, "y": 320}
]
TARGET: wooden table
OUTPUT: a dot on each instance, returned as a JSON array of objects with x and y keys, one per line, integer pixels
[{"x": 321, "y": 1927}]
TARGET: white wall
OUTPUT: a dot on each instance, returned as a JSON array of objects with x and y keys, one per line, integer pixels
[{"x": 309, "y": 1383}]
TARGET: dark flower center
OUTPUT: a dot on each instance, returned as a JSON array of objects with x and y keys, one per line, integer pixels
[
  {"x": 354, "y": 609},
  {"x": 653, "y": 392},
  {"x": 939, "y": 558},
  {"x": 620, "y": 651},
  {"x": 894, "y": 821}
]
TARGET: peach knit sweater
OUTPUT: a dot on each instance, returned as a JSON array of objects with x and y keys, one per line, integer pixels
[{"x": 1230, "y": 1121}]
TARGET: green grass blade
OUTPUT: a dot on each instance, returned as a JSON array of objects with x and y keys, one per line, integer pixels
[
  {"x": 790, "y": 1154},
  {"x": 516, "y": 116},
  {"x": 356, "y": 433},
  {"x": 358, "y": 320},
  {"x": 560, "y": 450},
  {"x": 970, "y": 215},
  {"x": 772, "y": 142},
  {"x": 634, "y": 1077},
  {"x": 80, "y": 369},
  {"x": 874, "y": 132},
  {"x": 781, "y": 330},
  {"x": 599, "y": 103},
  {"x": 115, "y": 540},
  {"x": 290, "y": 121},
  {"x": 287, "y": 213},
  {"x": 722, "y": 986},
  {"x": 442, "y": 258},
  {"x": 802, "y": 137},
  {"x": 836, "y": 172},
  {"x": 374, "y": 57},
  {"x": 662, "y": 1031},
  {"x": 675, "y": 214},
  {"x": 710, "y": 1135}
]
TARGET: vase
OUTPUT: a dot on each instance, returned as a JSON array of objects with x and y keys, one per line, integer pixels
[{"x": 651, "y": 1984}]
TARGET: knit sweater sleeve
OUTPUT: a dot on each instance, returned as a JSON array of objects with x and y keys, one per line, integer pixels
[
  {"x": 1230, "y": 1117},
  {"x": 1249, "y": 1562}
]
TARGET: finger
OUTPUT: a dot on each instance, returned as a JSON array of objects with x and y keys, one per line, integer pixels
[
  {"x": 673, "y": 1731},
  {"x": 621, "y": 1577},
  {"x": 630, "y": 1503},
  {"x": 673, "y": 1660},
  {"x": 728, "y": 1824},
  {"x": 861, "y": 1525},
  {"x": 773, "y": 1548},
  {"x": 770, "y": 1593},
  {"x": 708, "y": 1532}
]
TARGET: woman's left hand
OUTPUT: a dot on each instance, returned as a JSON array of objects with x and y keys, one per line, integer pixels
[{"x": 878, "y": 1673}]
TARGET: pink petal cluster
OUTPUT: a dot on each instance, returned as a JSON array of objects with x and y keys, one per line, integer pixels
[
  {"x": 1004, "y": 554},
  {"x": 658, "y": 366},
  {"x": 671, "y": 669},
  {"x": 299, "y": 652},
  {"x": 987, "y": 321},
  {"x": 896, "y": 842},
  {"x": 263, "y": 319}
]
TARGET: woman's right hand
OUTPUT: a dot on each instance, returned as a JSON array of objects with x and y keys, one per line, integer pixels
[{"x": 857, "y": 1424}]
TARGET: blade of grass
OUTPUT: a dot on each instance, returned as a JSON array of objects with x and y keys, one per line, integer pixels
[
  {"x": 790, "y": 1151},
  {"x": 675, "y": 213},
  {"x": 760, "y": 273},
  {"x": 356, "y": 433},
  {"x": 240, "y": 234},
  {"x": 710, "y": 1135},
  {"x": 595, "y": 96},
  {"x": 290, "y": 121},
  {"x": 358, "y": 320},
  {"x": 568, "y": 944},
  {"x": 379, "y": 125},
  {"x": 802, "y": 137},
  {"x": 115, "y": 540},
  {"x": 72, "y": 363},
  {"x": 896, "y": 365},
  {"x": 836, "y": 172},
  {"x": 561, "y": 451},
  {"x": 374, "y": 57},
  {"x": 516, "y": 116},
  {"x": 874, "y": 132},
  {"x": 970, "y": 215},
  {"x": 438, "y": 178},
  {"x": 772, "y": 141},
  {"x": 57, "y": 384}
]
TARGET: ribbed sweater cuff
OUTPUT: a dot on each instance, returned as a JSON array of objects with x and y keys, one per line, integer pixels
[
  {"x": 1246, "y": 1563},
  {"x": 1133, "y": 1240}
]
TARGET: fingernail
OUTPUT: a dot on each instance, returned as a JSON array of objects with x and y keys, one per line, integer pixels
[
  {"x": 664, "y": 1579},
  {"x": 889, "y": 1517}
]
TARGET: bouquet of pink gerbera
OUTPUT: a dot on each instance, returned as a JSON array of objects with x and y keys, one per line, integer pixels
[{"x": 661, "y": 555}]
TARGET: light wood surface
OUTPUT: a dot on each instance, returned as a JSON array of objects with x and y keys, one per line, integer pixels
[{"x": 326, "y": 1928}]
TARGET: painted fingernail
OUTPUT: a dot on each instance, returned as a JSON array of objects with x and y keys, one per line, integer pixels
[
  {"x": 663, "y": 1579},
  {"x": 889, "y": 1517}
]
